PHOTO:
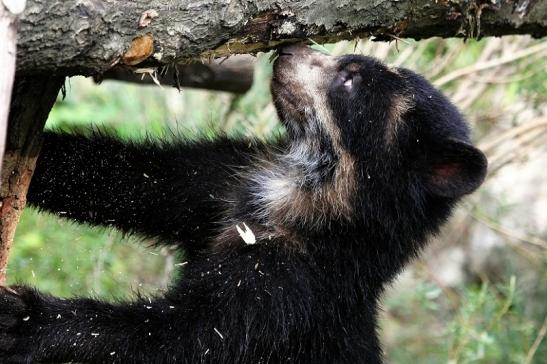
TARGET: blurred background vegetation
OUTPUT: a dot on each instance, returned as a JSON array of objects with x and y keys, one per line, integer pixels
[{"x": 479, "y": 295}]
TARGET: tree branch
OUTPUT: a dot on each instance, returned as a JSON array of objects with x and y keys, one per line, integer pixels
[
  {"x": 91, "y": 36},
  {"x": 33, "y": 98},
  {"x": 234, "y": 74}
]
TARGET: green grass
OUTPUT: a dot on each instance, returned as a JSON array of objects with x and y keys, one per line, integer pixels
[
  {"x": 64, "y": 258},
  {"x": 477, "y": 323}
]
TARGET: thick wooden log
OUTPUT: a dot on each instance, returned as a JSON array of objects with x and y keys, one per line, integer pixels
[{"x": 90, "y": 36}]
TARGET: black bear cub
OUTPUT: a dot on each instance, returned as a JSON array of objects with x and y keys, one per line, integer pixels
[{"x": 289, "y": 244}]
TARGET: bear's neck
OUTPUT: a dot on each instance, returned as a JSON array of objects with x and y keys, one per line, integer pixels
[{"x": 303, "y": 188}]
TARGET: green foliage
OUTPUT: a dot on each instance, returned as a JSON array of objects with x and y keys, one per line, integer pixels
[{"x": 475, "y": 324}]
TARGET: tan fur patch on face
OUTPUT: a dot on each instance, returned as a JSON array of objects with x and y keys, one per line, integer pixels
[
  {"x": 282, "y": 201},
  {"x": 400, "y": 104},
  {"x": 292, "y": 204},
  {"x": 281, "y": 198},
  {"x": 299, "y": 80}
]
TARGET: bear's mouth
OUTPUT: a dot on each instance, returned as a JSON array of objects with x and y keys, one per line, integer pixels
[{"x": 300, "y": 81}]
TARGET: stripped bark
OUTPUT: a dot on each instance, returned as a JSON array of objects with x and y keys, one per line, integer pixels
[
  {"x": 90, "y": 36},
  {"x": 8, "y": 37},
  {"x": 8, "y": 18}
]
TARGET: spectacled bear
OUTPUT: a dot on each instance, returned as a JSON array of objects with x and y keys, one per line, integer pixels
[{"x": 289, "y": 243}]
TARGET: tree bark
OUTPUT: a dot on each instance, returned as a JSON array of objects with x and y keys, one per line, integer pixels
[
  {"x": 32, "y": 100},
  {"x": 8, "y": 37},
  {"x": 89, "y": 37}
]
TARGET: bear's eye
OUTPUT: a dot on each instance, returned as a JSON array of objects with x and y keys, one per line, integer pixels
[{"x": 348, "y": 83}]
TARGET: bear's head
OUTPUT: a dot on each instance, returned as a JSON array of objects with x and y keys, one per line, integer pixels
[{"x": 368, "y": 140}]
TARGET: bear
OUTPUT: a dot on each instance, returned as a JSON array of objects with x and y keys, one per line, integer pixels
[{"x": 289, "y": 243}]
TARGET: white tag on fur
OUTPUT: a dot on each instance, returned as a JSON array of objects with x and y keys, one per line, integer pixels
[{"x": 247, "y": 235}]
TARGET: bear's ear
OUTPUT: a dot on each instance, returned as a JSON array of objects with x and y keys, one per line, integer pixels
[{"x": 454, "y": 168}]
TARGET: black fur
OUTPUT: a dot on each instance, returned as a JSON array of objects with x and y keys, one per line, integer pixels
[{"x": 361, "y": 182}]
